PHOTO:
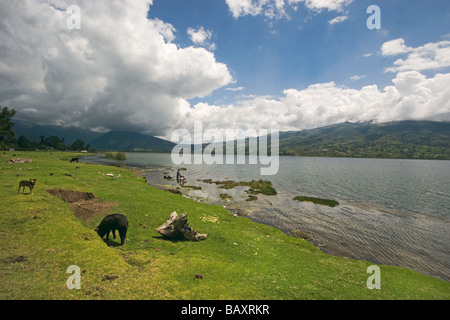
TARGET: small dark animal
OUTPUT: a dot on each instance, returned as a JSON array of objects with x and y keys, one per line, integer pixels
[
  {"x": 27, "y": 183},
  {"x": 113, "y": 222},
  {"x": 74, "y": 160},
  {"x": 198, "y": 276}
]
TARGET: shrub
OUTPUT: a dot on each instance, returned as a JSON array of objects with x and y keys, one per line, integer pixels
[{"x": 120, "y": 156}]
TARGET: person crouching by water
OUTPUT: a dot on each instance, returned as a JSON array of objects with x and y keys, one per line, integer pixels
[{"x": 180, "y": 178}]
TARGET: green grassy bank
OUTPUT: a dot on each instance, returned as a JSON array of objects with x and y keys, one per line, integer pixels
[{"x": 40, "y": 237}]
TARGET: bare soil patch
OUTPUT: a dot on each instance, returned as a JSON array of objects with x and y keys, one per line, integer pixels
[
  {"x": 15, "y": 259},
  {"x": 83, "y": 204}
]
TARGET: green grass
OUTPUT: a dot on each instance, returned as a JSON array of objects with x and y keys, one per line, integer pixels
[
  {"x": 193, "y": 187},
  {"x": 225, "y": 196},
  {"x": 40, "y": 237},
  {"x": 325, "y": 202}
]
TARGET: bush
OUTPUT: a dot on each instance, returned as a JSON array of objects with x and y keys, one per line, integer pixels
[{"x": 120, "y": 156}]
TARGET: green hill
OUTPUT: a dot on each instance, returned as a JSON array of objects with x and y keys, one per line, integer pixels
[
  {"x": 131, "y": 141},
  {"x": 33, "y": 132},
  {"x": 401, "y": 139}
]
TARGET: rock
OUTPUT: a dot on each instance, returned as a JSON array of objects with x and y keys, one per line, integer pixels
[
  {"x": 176, "y": 226},
  {"x": 175, "y": 191},
  {"x": 19, "y": 160}
]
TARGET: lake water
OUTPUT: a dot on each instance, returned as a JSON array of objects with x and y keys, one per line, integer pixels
[{"x": 394, "y": 212}]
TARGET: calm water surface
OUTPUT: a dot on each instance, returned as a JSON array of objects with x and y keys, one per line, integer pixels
[{"x": 394, "y": 212}]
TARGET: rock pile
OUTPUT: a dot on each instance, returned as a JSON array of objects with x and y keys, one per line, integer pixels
[{"x": 19, "y": 160}]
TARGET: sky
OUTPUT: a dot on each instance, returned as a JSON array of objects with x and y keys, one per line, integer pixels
[{"x": 154, "y": 66}]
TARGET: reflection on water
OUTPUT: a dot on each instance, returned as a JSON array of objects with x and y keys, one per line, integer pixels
[{"x": 394, "y": 212}]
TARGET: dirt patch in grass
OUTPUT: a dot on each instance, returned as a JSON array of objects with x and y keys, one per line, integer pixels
[
  {"x": 15, "y": 259},
  {"x": 300, "y": 234},
  {"x": 83, "y": 204}
]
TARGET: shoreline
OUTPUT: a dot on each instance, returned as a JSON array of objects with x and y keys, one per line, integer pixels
[
  {"x": 334, "y": 242},
  {"x": 329, "y": 242},
  {"x": 239, "y": 260}
]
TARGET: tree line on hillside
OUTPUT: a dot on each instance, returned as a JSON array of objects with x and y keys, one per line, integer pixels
[
  {"x": 9, "y": 141},
  {"x": 370, "y": 150},
  {"x": 393, "y": 140}
]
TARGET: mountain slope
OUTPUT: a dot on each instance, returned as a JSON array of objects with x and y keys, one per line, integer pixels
[
  {"x": 400, "y": 139},
  {"x": 131, "y": 141},
  {"x": 33, "y": 132}
]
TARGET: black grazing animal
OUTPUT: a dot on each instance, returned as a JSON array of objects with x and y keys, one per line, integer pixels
[
  {"x": 27, "y": 183},
  {"x": 113, "y": 222},
  {"x": 74, "y": 160}
]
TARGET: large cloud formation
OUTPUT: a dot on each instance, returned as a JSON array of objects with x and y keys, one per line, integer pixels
[
  {"x": 118, "y": 71},
  {"x": 122, "y": 71},
  {"x": 430, "y": 56},
  {"x": 412, "y": 95}
]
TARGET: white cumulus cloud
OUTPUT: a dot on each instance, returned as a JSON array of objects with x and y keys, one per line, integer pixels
[
  {"x": 338, "y": 19},
  {"x": 356, "y": 77},
  {"x": 431, "y": 56},
  {"x": 411, "y": 96},
  {"x": 277, "y": 8},
  {"x": 319, "y": 5},
  {"x": 394, "y": 47},
  {"x": 235, "y": 89},
  {"x": 119, "y": 71},
  {"x": 201, "y": 37}
]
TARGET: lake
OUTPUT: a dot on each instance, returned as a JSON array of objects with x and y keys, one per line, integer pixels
[{"x": 393, "y": 212}]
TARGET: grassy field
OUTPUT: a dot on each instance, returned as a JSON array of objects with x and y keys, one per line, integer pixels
[{"x": 40, "y": 237}]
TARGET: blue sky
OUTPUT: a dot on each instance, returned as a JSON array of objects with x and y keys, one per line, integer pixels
[
  {"x": 154, "y": 66},
  {"x": 268, "y": 55}
]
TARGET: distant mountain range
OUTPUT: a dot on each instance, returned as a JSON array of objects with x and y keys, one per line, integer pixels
[
  {"x": 33, "y": 132},
  {"x": 110, "y": 141},
  {"x": 400, "y": 139}
]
